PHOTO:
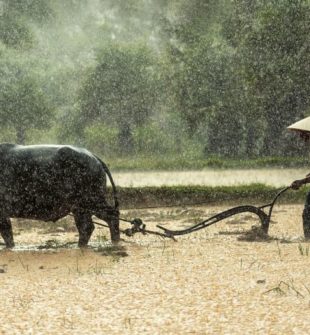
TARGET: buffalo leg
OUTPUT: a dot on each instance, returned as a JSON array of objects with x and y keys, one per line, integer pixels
[
  {"x": 111, "y": 217},
  {"x": 114, "y": 229},
  {"x": 85, "y": 227},
  {"x": 7, "y": 232}
]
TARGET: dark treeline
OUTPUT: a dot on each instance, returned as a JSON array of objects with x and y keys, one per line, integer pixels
[{"x": 160, "y": 77}]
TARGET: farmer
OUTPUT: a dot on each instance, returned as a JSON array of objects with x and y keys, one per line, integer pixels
[{"x": 303, "y": 128}]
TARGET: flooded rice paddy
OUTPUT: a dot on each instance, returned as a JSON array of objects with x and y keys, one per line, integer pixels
[
  {"x": 208, "y": 282},
  {"x": 220, "y": 280}
]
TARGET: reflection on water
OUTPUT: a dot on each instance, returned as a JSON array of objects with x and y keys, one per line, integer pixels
[
  {"x": 54, "y": 246},
  {"x": 272, "y": 177}
]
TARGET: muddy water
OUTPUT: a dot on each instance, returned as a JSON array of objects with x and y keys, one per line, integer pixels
[
  {"x": 272, "y": 177},
  {"x": 209, "y": 282}
]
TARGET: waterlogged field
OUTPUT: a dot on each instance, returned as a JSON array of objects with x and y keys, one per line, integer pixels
[
  {"x": 230, "y": 177},
  {"x": 215, "y": 281}
]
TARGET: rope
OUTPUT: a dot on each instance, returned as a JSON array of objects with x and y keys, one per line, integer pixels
[{"x": 137, "y": 227}]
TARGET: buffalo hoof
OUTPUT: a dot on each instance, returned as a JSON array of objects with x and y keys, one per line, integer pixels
[
  {"x": 116, "y": 241},
  {"x": 83, "y": 245}
]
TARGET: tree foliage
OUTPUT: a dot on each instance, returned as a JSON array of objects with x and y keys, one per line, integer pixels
[
  {"x": 16, "y": 18},
  {"x": 244, "y": 74},
  {"x": 120, "y": 90},
  {"x": 23, "y": 104},
  {"x": 216, "y": 76},
  {"x": 273, "y": 45}
]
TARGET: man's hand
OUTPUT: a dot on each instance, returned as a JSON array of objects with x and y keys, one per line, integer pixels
[{"x": 297, "y": 184}]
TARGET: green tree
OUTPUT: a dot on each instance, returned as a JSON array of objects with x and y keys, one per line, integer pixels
[
  {"x": 272, "y": 41},
  {"x": 121, "y": 90},
  {"x": 212, "y": 98},
  {"x": 16, "y": 18},
  {"x": 14, "y": 32},
  {"x": 204, "y": 76},
  {"x": 23, "y": 104}
]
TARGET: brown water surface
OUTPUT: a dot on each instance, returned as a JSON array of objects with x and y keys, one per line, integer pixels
[{"x": 208, "y": 282}]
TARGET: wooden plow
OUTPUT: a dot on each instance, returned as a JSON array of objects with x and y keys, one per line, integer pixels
[{"x": 263, "y": 212}]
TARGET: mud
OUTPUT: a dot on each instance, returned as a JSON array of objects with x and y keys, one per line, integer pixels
[{"x": 209, "y": 282}]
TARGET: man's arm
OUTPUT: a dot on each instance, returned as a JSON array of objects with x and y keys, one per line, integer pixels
[{"x": 299, "y": 182}]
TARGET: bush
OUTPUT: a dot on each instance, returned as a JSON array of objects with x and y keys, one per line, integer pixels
[{"x": 101, "y": 139}]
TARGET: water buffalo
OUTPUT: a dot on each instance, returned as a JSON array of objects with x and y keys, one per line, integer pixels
[{"x": 47, "y": 182}]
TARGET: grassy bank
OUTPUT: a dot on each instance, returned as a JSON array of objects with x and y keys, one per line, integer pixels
[
  {"x": 256, "y": 194},
  {"x": 194, "y": 163}
]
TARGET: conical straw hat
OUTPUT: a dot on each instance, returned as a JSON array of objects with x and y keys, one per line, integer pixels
[{"x": 301, "y": 125}]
